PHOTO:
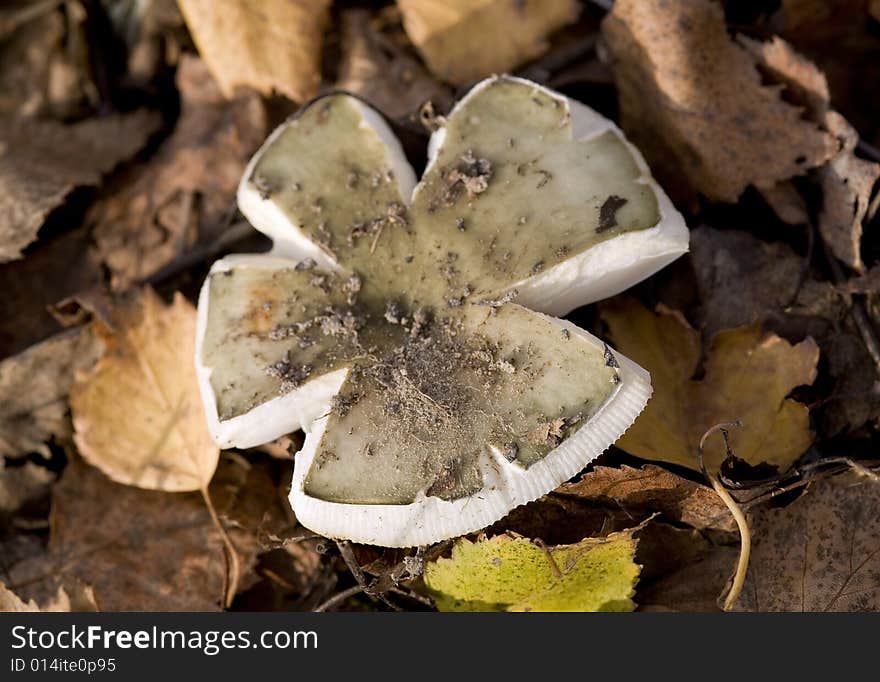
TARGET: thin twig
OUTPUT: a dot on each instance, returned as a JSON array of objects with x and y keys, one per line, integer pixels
[
  {"x": 745, "y": 536},
  {"x": 233, "y": 565},
  {"x": 338, "y": 598}
]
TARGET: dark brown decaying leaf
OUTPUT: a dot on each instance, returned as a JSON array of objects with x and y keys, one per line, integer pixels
[
  {"x": 186, "y": 193},
  {"x": 821, "y": 553},
  {"x": 273, "y": 45},
  {"x": 42, "y": 161},
  {"x": 694, "y": 587},
  {"x": 379, "y": 70},
  {"x": 649, "y": 489},
  {"x": 693, "y": 101},
  {"x": 742, "y": 279},
  {"x": 55, "y": 268},
  {"x": 33, "y": 391},
  {"x": 147, "y": 550},
  {"x": 456, "y": 36},
  {"x": 44, "y": 61}
]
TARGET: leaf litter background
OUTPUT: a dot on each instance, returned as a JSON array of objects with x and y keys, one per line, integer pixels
[{"x": 124, "y": 128}]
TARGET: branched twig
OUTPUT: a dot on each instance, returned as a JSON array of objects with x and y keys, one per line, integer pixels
[{"x": 745, "y": 536}]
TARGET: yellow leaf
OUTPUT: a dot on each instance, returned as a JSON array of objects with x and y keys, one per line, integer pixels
[
  {"x": 268, "y": 45},
  {"x": 514, "y": 574},
  {"x": 137, "y": 415},
  {"x": 452, "y": 34},
  {"x": 748, "y": 375}
]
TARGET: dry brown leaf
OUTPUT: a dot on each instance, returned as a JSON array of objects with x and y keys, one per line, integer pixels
[
  {"x": 273, "y": 45},
  {"x": 33, "y": 391},
  {"x": 840, "y": 37},
  {"x": 694, "y": 102},
  {"x": 742, "y": 279},
  {"x": 137, "y": 415},
  {"x": 22, "y": 484},
  {"x": 694, "y": 587},
  {"x": 186, "y": 193},
  {"x": 820, "y": 553},
  {"x": 44, "y": 61},
  {"x": 381, "y": 72},
  {"x": 11, "y": 603},
  {"x": 748, "y": 375},
  {"x": 651, "y": 489},
  {"x": 465, "y": 40},
  {"x": 42, "y": 161},
  {"x": 55, "y": 268},
  {"x": 846, "y": 181},
  {"x": 144, "y": 550}
]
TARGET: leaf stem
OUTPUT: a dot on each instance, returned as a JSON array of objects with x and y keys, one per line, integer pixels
[
  {"x": 233, "y": 564},
  {"x": 745, "y": 536}
]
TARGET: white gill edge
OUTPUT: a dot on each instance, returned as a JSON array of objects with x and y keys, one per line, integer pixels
[{"x": 506, "y": 485}]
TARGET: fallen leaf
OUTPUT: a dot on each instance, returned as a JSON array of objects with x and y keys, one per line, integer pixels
[
  {"x": 56, "y": 267},
  {"x": 748, "y": 375},
  {"x": 44, "y": 61},
  {"x": 694, "y": 587},
  {"x": 41, "y": 162},
  {"x": 651, "y": 489},
  {"x": 137, "y": 414},
  {"x": 376, "y": 68},
  {"x": 145, "y": 550},
  {"x": 846, "y": 181},
  {"x": 507, "y": 573},
  {"x": 742, "y": 279},
  {"x": 33, "y": 392},
  {"x": 452, "y": 34},
  {"x": 11, "y": 603},
  {"x": 22, "y": 484},
  {"x": 839, "y": 36},
  {"x": 272, "y": 46},
  {"x": 186, "y": 193},
  {"x": 694, "y": 102},
  {"x": 820, "y": 553}
]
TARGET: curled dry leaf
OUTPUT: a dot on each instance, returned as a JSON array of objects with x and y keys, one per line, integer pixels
[
  {"x": 274, "y": 45},
  {"x": 651, "y": 489},
  {"x": 694, "y": 102},
  {"x": 33, "y": 391},
  {"x": 454, "y": 35},
  {"x": 820, "y": 553},
  {"x": 186, "y": 193},
  {"x": 748, "y": 375},
  {"x": 846, "y": 181},
  {"x": 507, "y": 573},
  {"x": 381, "y": 72},
  {"x": 42, "y": 161},
  {"x": 12, "y": 603},
  {"x": 137, "y": 415}
]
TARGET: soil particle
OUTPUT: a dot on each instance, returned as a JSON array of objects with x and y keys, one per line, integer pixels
[{"x": 608, "y": 212}]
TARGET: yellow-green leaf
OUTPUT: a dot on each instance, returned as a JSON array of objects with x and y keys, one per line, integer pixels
[{"x": 514, "y": 574}]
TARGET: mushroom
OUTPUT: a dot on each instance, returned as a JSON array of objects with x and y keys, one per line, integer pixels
[{"x": 406, "y": 326}]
